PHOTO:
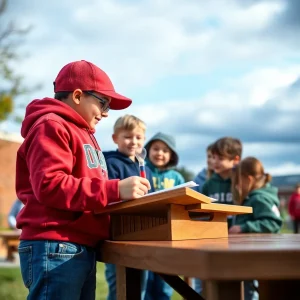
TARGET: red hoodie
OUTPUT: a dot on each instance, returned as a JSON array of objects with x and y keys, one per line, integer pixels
[
  {"x": 61, "y": 177},
  {"x": 294, "y": 206}
]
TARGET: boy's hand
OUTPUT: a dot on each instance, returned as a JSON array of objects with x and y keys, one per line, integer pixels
[{"x": 133, "y": 187}]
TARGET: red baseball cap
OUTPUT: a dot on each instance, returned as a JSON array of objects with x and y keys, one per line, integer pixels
[{"x": 88, "y": 77}]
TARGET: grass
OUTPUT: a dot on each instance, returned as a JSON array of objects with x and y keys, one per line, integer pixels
[
  {"x": 11, "y": 284},
  {"x": 12, "y": 288}
]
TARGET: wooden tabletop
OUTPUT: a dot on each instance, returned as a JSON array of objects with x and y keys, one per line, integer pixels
[
  {"x": 10, "y": 233},
  {"x": 246, "y": 256}
]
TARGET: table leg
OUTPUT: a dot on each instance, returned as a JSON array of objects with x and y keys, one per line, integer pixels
[
  {"x": 242, "y": 291},
  {"x": 181, "y": 287},
  {"x": 188, "y": 281},
  {"x": 10, "y": 251},
  {"x": 222, "y": 290},
  {"x": 279, "y": 289},
  {"x": 128, "y": 283}
]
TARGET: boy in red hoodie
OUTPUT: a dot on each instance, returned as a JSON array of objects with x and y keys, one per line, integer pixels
[
  {"x": 61, "y": 178},
  {"x": 294, "y": 208}
]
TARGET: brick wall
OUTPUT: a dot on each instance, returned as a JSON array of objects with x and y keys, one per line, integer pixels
[{"x": 8, "y": 152}]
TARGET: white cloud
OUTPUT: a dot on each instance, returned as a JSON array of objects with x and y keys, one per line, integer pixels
[
  {"x": 142, "y": 42},
  {"x": 266, "y": 83},
  {"x": 252, "y": 19},
  {"x": 230, "y": 112},
  {"x": 288, "y": 168}
]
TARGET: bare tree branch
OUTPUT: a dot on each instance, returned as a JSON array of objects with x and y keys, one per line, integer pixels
[
  {"x": 2, "y": 5},
  {"x": 11, "y": 36}
]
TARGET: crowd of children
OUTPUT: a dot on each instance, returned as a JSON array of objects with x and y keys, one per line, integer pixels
[
  {"x": 62, "y": 176},
  {"x": 233, "y": 180}
]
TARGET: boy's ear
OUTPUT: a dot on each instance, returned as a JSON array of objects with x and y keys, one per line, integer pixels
[
  {"x": 76, "y": 96},
  {"x": 114, "y": 137}
]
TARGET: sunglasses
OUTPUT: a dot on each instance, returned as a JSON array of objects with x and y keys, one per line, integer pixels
[{"x": 104, "y": 102}]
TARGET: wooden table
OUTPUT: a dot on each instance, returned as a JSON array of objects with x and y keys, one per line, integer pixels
[
  {"x": 223, "y": 263},
  {"x": 10, "y": 240}
]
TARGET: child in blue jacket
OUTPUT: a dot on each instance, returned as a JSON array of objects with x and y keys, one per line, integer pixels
[{"x": 129, "y": 135}]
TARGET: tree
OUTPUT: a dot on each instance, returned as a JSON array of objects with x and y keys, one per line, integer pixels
[
  {"x": 10, "y": 37},
  {"x": 187, "y": 174}
]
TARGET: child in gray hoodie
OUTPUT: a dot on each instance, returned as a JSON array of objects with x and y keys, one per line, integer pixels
[{"x": 162, "y": 157}]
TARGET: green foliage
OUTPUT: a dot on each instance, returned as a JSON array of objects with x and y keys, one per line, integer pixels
[
  {"x": 6, "y": 106},
  {"x": 11, "y": 285},
  {"x": 11, "y": 83},
  {"x": 187, "y": 174}
]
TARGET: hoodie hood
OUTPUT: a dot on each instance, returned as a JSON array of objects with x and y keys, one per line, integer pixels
[
  {"x": 268, "y": 192},
  {"x": 170, "y": 142},
  {"x": 38, "y": 108}
]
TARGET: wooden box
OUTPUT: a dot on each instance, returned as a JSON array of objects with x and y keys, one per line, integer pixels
[{"x": 178, "y": 214}]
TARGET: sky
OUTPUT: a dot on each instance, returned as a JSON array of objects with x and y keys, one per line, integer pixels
[{"x": 198, "y": 70}]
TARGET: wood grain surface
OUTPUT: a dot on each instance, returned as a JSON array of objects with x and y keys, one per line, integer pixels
[{"x": 246, "y": 256}]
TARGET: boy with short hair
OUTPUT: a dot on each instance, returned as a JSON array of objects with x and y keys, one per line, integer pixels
[
  {"x": 227, "y": 152},
  {"x": 129, "y": 135},
  {"x": 61, "y": 178}
]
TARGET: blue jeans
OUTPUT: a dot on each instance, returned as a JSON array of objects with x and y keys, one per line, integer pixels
[
  {"x": 250, "y": 289},
  {"x": 157, "y": 288},
  {"x": 110, "y": 275},
  {"x": 58, "y": 270},
  {"x": 197, "y": 285}
]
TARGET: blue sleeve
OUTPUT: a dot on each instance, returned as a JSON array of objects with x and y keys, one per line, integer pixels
[
  {"x": 200, "y": 181},
  {"x": 17, "y": 206},
  {"x": 150, "y": 179}
]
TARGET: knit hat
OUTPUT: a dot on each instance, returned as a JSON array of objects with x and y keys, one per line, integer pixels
[
  {"x": 170, "y": 142},
  {"x": 88, "y": 77}
]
